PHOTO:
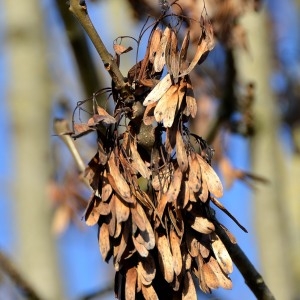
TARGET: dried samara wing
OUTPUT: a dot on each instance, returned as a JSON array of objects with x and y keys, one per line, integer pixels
[{"x": 165, "y": 258}]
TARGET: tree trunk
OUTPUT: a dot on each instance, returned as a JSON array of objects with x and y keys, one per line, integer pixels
[
  {"x": 267, "y": 158},
  {"x": 30, "y": 101}
]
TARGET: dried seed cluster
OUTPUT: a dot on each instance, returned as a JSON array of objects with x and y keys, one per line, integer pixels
[{"x": 152, "y": 189}]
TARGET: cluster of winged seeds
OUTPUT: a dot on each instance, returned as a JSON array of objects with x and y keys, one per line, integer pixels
[{"x": 153, "y": 182}]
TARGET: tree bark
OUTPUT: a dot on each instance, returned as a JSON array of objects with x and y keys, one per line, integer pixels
[
  {"x": 30, "y": 104},
  {"x": 267, "y": 158}
]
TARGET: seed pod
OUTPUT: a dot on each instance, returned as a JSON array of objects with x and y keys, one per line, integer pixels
[
  {"x": 212, "y": 179},
  {"x": 159, "y": 60},
  {"x": 130, "y": 284},
  {"x": 104, "y": 241},
  {"x": 122, "y": 210},
  {"x": 165, "y": 109},
  {"x": 159, "y": 90},
  {"x": 140, "y": 248},
  {"x": 224, "y": 280},
  {"x": 181, "y": 154},
  {"x": 176, "y": 252},
  {"x": 222, "y": 256},
  {"x": 149, "y": 292},
  {"x": 165, "y": 258},
  {"x": 154, "y": 44}
]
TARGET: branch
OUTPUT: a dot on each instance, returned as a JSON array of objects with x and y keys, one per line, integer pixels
[
  {"x": 252, "y": 278},
  {"x": 81, "y": 50},
  {"x": 9, "y": 269},
  {"x": 61, "y": 128},
  {"x": 79, "y": 9}
]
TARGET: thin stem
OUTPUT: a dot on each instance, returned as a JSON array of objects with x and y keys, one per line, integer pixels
[{"x": 61, "y": 128}]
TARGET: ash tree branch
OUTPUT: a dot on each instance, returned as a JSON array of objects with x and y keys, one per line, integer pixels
[
  {"x": 79, "y": 9},
  {"x": 11, "y": 271},
  {"x": 79, "y": 44},
  {"x": 252, "y": 278}
]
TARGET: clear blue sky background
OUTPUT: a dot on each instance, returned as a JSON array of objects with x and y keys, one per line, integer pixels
[{"x": 83, "y": 269}]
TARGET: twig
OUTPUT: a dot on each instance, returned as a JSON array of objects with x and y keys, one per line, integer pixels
[
  {"x": 9, "y": 269},
  {"x": 252, "y": 278},
  {"x": 79, "y": 9},
  {"x": 62, "y": 129},
  {"x": 81, "y": 50}
]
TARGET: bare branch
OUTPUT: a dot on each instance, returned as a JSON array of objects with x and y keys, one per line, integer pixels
[
  {"x": 61, "y": 128},
  {"x": 79, "y": 9},
  {"x": 8, "y": 267}
]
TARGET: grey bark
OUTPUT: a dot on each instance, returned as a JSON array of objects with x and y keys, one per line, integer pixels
[
  {"x": 267, "y": 159},
  {"x": 30, "y": 100}
]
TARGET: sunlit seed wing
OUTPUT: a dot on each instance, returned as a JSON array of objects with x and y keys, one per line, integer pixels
[
  {"x": 121, "y": 187},
  {"x": 222, "y": 256},
  {"x": 203, "y": 196},
  {"x": 122, "y": 210},
  {"x": 205, "y": 44},
  {"x": 165, "y": 258},
  {"x": 184, "y": 48},
  {"x": 192, "y": 244},
  {"x": 181, "y": 154},
  {"x": 159, "y": 60},
  {"x": 123, "y": 245},
  {"x": 210, "y": 277},
  {"x": 175, "y": 185},
  {"x": 212, "y": 179},
  {"x": 172, "y": 56},
  {"x": 106, "y": 192},
  {"x": 137, "y": 219},
  {"x": 104, "y": 242},
  {"x": 191, "y": 103},
  {"x": 176, "y": 252},
  {"x": 203, "y": 225},
  {"x": 140, "y": 248},
  {"x": 92, "y": 212},
  {"x": 149, "y": 292},
  {"x": 165, "y": 109},
  {"x": 158, "y": 91},
  {"x": 137, "y": 161},
  {"x": 194, "y": 179},
  {"x": 154, "y": 44},
  {"x": 147, "y": 234},
  {"x": 224, "y": 281},
  {"x": 130, "y": 284},
  {"x": 202, "y": 283}
]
